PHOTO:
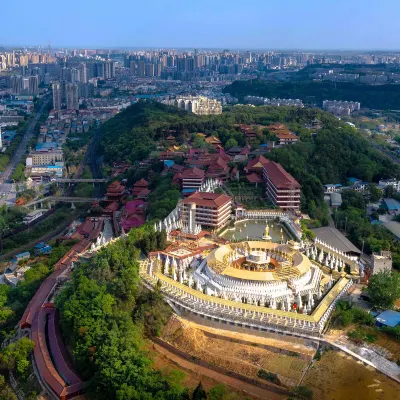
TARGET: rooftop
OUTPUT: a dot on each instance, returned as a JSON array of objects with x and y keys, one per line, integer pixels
[
  {"x": 336, "y": 239},
  {"x": 191, "y": 173},
  {"x": 389, "y": 318},
  {"x": 142, "y": 182},
  {"x": 391, "y": 204},
  {"x": 206, "y": 199},
  {"x": 257, "y": 162},
  {"x": 280, "y": 177}
]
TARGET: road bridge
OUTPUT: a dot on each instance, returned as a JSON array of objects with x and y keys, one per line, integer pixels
[
  {"x": 60, "y": 199},
  {"x": 81, "y": 180}
]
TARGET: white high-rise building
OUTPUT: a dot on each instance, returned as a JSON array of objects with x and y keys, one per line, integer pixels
[{"x": 57, "y": 95}]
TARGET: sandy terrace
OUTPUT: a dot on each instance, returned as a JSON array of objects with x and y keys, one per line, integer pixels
[
  {"x": 291, "y": 344},
  {"x": 246, "y": 357}
]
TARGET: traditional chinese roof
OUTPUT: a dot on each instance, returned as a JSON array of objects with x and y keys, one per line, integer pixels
[
  {"x": 257, "y": 163},
  {"x": 141, "y": 183},
  {"x": 213, "y": 140},
  {"x": 280, "y": 177},
  {"x": 205, "y": 199},
  {"x": 254, "y": 178},
  {"x": 193, "y": 173}
]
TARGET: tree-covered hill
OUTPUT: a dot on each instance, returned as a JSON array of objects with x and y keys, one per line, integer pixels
[
  {"x": 382, "y": 97},
  {"x": 335, "y": 153}
]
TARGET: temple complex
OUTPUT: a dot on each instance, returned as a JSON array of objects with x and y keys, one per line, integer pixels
[{"x": 274, "y": 282}]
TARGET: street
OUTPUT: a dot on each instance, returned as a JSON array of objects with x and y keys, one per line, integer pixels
[{"x": 20, "y": 151}]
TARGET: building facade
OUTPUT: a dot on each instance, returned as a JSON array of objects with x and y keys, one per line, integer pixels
[
  {"x": 208, "y": 210},
  {"x": 192, "y": 179},
  {"x": 57, "y": 96},
  {"x": 197, "y": 105},
  {"x": 72, "y": 98},
  {"x": 48, "y": 157},
  {"x": 281, "y": 188}
]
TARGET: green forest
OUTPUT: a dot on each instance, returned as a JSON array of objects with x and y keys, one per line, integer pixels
[
  {"x": 106, "y": 317},
  {"x": 382, "y": 97}
]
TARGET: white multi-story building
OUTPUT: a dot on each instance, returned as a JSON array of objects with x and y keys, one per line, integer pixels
[
  {"x": 196, "y": 104},
  {"x": 45, "y": 157},
  {"x": 209, "y": 210},
  {"x": 342, "y": 108},
  {"x": 390, "y": 182}
]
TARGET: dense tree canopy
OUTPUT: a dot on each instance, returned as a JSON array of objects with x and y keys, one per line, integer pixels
[
  {"x": 370, "y": 96},
  {"x": 104, "y": 317},
  {"x": 384, "y": 289}
]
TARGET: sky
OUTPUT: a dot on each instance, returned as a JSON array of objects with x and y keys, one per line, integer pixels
[{"x": 230, "y": 24}]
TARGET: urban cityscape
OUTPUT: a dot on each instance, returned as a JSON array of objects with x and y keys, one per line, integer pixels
[{"x": 214, "y": 218}]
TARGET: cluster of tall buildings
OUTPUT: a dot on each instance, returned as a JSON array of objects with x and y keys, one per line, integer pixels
[
  {"x": 14, "y": 59},
  {"x": 65, "y": 93},
  {"x": 79, "y": 80},
  {"x": 25, "y": 85},
  {"x": 183, "y": 66}
]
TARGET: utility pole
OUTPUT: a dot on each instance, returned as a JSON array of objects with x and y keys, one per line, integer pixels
[{"x": 345, "y": 226}]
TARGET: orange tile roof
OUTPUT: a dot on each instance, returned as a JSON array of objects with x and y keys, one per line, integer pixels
[{"x": 206, "y": 199}]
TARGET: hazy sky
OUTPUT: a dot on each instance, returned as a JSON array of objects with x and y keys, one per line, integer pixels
[{"x": 251, "y": 24}]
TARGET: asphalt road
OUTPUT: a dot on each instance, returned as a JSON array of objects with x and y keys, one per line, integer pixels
[{"x": 21, "y": 149}]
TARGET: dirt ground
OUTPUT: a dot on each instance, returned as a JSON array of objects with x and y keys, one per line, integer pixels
[
  {"x": 244, "y": 358},
  {"x": 337, "y": 376},
  {"x": 193, "y": 378},
  {"x": 384, "y": 344}
]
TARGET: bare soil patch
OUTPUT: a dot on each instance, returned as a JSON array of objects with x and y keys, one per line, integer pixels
[{"x": 337, "y": 376}]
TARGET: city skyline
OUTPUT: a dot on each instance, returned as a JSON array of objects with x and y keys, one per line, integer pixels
[{"x": 257, "y": 25}]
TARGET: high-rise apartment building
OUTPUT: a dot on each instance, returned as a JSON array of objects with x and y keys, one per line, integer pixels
[
  {"x": 170, "y": 61},
  {"x": 75, "y": 75},
  {"x": 33, "y": 85},
  {"x": 83, "y": 73},
  {"x": 132, "y": 68},
  {"x": 158, "y": 69},
  {"x": 16, "y": 84},
  {"x": 57, "y": 95},
  {"x": 72, "y": 98},
  {"x": 150, "y": 70},
  {"x": 109, "y": 70},
  {"x": 142, "y": 69},
  {"x": 181, "y": 64},
  {"x": 25, "y": 85},
  {"x": 66, "y": 74}
]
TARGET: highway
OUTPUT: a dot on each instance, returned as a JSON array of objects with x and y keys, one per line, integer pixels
[{"x": 21, "y": 149}]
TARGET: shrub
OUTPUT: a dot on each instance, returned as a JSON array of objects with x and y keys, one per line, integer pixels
[{"x": 269, "y": 376}]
